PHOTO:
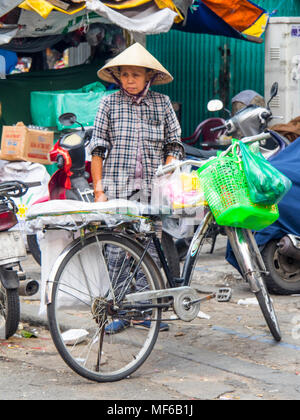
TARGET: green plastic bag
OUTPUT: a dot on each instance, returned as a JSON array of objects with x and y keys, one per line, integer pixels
[{"x": 266, "y": 184}]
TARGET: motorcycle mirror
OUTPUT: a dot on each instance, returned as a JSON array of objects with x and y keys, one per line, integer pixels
[
  {"x": 67, "y": 119},
  {"x": 215, "y": 105},
  {"x": 274, "y": 89},
  {"x": 273, "y": 92}
]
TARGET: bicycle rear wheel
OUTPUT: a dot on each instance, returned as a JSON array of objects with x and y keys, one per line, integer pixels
[{"x": 88, "y": 293}]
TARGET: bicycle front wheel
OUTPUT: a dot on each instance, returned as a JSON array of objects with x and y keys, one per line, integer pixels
[
  {"x": 88, "y": 305},
  {"x": 248, "y": 257}
]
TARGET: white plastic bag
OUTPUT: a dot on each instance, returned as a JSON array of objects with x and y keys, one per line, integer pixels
[
  {"x": 25, "y": 172},
  {"x": 182, "y": 194},
  {"x": 179, "y": 191},
  {"x": 51, "y": 244},
  {"x": 76, "y": 291}
]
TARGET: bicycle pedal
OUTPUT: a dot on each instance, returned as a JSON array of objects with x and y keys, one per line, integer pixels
[{"x": 224, "y": 294}]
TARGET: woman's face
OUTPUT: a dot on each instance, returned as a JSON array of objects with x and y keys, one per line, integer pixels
[{"x": 133, "y": 78}]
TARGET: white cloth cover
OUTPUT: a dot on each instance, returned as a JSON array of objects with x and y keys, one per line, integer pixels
[
  {"x": 70, "y": 213},
  {"x": 151, "y": 20}
]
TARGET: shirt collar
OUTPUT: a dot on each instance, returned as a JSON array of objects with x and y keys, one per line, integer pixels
[{"x": 122, "y": 96}]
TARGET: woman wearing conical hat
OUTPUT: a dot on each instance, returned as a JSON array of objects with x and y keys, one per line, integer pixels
[{"x": 135, "y": 129}]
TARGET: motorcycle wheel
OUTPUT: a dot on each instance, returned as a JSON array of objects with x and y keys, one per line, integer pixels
[
  {"x": 10, "y": 310},
  {"x": 34, "y": 248},
  {"x": 284, "y": 272}
]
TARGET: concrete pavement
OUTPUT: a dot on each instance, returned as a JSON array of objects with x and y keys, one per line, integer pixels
[{"x": 228, "y": 353}]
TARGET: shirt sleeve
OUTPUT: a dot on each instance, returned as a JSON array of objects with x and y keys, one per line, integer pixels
[
  {"x": 100, "y": 142},
  {"x": 99, "y": 151},
  {"x": 172, "y": 139}
]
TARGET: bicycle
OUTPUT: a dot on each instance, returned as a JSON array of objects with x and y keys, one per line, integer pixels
[{"x": 106, "y": 274}]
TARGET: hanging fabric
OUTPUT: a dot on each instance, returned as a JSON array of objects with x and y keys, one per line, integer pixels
[
  {"x": 240, "y": 19},
  {"x": 44, "y": 7}
]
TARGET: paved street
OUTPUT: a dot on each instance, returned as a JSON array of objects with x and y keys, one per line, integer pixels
[{"x": 226, "y": 354}]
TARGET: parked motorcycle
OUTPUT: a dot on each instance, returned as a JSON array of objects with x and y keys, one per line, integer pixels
[
  {"x": 248, "y": 121},
  {"x": 282, "y": 260},
  {"x": 281, "y": 254},
  {"x": 12, "y": 252}
]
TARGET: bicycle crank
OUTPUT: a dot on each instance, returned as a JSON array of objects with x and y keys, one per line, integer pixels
[
  {"x": 186, "y": 302},
  {"x": 186, "y": 305}
]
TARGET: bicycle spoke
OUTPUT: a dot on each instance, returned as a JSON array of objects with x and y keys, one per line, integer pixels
[{"x": 87, "y": 297}]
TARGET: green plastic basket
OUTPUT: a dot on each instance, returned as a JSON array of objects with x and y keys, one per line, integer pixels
[{"x": 226, "y": 191}]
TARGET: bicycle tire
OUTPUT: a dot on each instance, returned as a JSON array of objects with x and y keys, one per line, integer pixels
[
  {"x": 266, "y": 305},
  {"x": 10, "y": 310},
  {"x": 95, "y": 251},
  {"x": 268, "y": 311}
]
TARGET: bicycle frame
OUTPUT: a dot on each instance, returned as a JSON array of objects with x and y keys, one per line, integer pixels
[
  {"x": 244, "y": 247},
  {"x": 192, "y": 254},
  {"x": 241, "y": 240}
]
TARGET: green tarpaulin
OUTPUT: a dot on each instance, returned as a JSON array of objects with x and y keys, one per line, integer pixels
[
  {"x": 15, "y": 90},
  {"x": 83, "y": 102}
]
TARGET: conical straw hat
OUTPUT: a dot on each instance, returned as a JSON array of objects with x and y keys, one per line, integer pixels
[{"x": 135, "y": 55}]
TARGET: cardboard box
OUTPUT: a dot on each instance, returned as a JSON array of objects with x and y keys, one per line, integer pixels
[{"x": 22, "y": 143}]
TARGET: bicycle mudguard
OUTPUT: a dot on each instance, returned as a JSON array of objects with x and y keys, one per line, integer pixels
[{"x": 9, "y": 278}]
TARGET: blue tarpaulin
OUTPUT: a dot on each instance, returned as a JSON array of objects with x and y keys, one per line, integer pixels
[
  {"x": 242, "y": 20},
  {"x": 204, "y": 20}
]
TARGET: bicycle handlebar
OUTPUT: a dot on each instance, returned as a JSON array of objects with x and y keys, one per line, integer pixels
[{"x": 172, "y": 166}]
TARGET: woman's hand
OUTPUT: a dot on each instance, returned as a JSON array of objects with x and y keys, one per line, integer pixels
[
  {"x": 169, "y": 159},
  {"x": 100, "y": 197}
]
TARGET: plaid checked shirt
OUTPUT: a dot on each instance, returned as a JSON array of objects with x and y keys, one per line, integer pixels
[{"x": 123, "y": 127}]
